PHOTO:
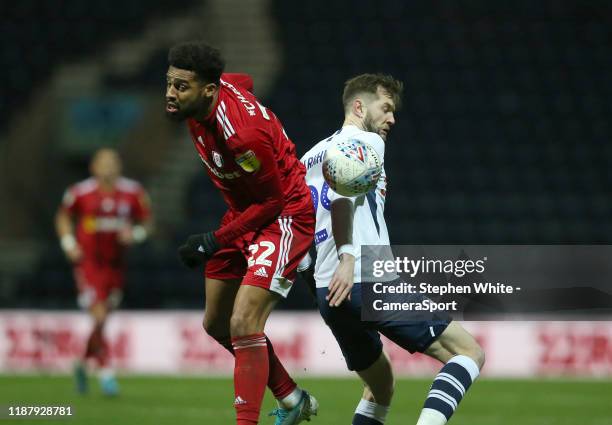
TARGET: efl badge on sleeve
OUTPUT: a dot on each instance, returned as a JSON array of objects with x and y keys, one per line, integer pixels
[
  {"x": 218, "y": 159},
  {"x": 248, "y": 161}
]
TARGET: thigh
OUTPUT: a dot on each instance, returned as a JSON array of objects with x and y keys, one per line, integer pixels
[
  {"x": 220, "y": 297},
  {"x": 252, "y": 308},
  {"x": 454, "y": 340},
  {"x": 360, "y": 344},
  {"x": 414, "y": 336},
  {"x": 226, "y": 265}
]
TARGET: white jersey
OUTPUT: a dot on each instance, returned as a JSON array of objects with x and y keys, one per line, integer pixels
[{"x": 369, "y": 226}]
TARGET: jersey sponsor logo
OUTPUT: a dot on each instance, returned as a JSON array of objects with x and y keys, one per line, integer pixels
[
  {"x": 219, "y": 174},
  {"x": 218, "y": 159},
  {"x": 247, "y": 105},
  {"x": 92, "y": 224},
  {"x": 248, "y": 161}
]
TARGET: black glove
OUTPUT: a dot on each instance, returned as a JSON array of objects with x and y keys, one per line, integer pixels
[{"x": 197, "y": 249}]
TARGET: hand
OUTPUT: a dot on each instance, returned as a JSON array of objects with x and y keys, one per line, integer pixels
[
  {"x": 71, "y": 247},
  {"x": 342, "y": 282},
  {"x": 197, "y": 249},
  {"x": 126, "y": 236},
  {"x": 74, "y": 254}
]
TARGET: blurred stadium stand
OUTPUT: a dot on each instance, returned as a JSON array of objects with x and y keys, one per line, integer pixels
[{"x": 503, "y": 136}]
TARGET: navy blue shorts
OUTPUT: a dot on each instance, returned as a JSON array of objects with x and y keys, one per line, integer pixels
[{"x": 360, "y": 341}]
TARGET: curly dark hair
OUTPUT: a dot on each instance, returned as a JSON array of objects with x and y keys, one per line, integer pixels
[
  {"x": 197, "y": 56},
  {"x": 369, "y": 83}
]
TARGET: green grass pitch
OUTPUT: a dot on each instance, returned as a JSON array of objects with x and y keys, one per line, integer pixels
[{"x": 203, "y": 401}]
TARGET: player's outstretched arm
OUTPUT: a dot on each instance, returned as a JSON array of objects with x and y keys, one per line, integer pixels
[{"x": 342, "y": 211}]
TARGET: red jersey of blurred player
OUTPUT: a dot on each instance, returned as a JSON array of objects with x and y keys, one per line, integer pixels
[
  {"x": 237, "y": 143},
  {"x": 107, "y": 209}
]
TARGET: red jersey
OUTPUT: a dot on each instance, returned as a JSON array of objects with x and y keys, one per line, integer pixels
[
  {"x": 250, "y": 159},
  {"x": 101, "y": 215}
]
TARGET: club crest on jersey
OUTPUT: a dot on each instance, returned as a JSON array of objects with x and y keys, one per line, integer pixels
[
  {"x": 218, "y": 159},
  {"x": 248, "y": 161},
  {"x": 108, "y": 204}
]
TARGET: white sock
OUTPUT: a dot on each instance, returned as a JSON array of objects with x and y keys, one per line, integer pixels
[
  {"x": 448, "y": 389},
  {"x": 372, "y": 410},
  {"x": 292, "y": 400},
  {"x": 431, "y": 417}
]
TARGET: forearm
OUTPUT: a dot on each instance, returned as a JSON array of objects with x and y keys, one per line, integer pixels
[
  {"x": 254, "y": 217},
  {"x": 63, "y": 224},
  {"x": 342, "y": 211}
]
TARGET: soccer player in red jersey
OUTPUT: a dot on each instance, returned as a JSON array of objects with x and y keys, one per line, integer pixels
[
  {"x": 111, "y": 212},
  {"x": 251, "y": 258}
]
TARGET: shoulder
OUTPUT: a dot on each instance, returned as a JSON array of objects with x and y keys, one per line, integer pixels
[
  {"x": 244, "y": 81},
  {"x": 128, "y": 185},
  {"x": 372, "y": 139},
  {"x": 84, "y": 187},
  {"x": 316, "y": 149}
]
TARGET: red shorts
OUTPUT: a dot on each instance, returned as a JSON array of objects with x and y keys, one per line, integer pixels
[
  {"x": 267, "y": 258},
  {"x": 98, "y": 283}
]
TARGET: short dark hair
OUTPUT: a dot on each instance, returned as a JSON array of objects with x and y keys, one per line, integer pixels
[
  {"x": 199, "y": 57},
  {"x": 369, "y": 83}
]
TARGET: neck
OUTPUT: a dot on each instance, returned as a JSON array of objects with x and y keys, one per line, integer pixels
[
  {"x": 106, "y": 185},
  {"x": 353, "y": 120}
]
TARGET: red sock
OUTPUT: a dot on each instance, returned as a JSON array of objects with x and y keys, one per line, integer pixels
[
  {"x": 93, "y": 343},
  {"x": 279, "y": 381},
  {"x": 250, "y": 376},
  {"x": 103, "y": 355}
]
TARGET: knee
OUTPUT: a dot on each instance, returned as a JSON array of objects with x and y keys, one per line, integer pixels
[
  {"x": 216, "y": 330},
  {"x": 242, "y": 324},
  {"x": 476, "y": 353},
  {"x": 479, "y": 356}
]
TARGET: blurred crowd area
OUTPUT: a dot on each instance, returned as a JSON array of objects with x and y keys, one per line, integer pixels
[{"x": 503, "y": 137}]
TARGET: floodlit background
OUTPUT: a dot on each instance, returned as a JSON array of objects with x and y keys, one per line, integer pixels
[{"x": 504, "y": 137}]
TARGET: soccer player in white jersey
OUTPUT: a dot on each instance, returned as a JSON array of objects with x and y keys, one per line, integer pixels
[{"x": 343, "y": 225}]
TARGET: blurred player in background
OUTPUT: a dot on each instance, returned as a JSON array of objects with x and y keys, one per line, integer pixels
[
  {"x": 343, "y": 225},
  {"x": 111, "y": 212},
  {"x": 251, "y": 259}
]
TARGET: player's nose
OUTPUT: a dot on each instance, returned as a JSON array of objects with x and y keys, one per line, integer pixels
[
  {"x": 170, "y": 94},
  {"x": 391, "y": 119}
]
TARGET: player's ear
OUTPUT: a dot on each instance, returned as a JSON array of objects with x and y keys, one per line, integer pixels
[
  {"x": 209, "y": 89},
  {"x": 359, "y": 108}
]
